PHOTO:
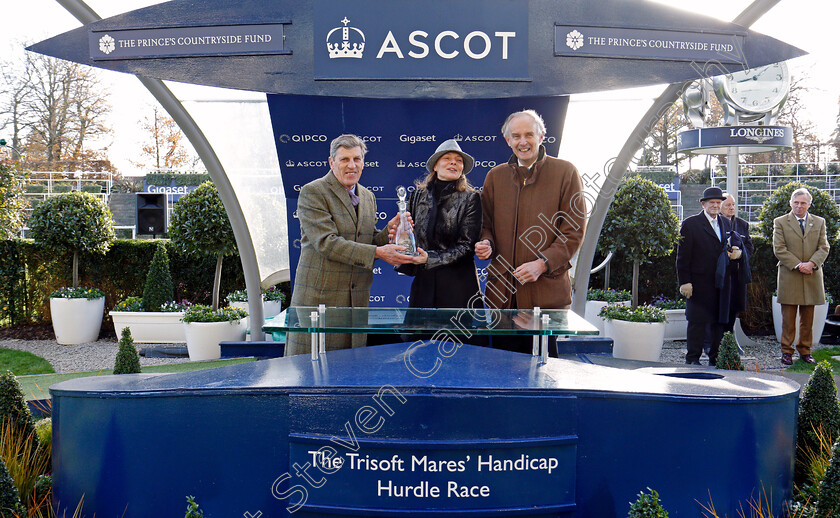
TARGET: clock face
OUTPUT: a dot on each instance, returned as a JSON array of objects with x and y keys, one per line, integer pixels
[{"x": 759, "y": 89}]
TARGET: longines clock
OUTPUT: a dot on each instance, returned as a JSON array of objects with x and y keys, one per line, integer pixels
[{"x": 753, "y": 94}]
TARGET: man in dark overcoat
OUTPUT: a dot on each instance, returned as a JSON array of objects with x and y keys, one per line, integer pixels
[{"x": 702, "y": 262}]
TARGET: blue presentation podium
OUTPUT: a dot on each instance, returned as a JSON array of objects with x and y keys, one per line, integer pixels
[{"x": 423, "y": 428}]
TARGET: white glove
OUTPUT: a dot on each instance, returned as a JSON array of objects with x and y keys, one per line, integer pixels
[
  {"x": 735, "y": 254},
  {"x": 687, "y": 290}
]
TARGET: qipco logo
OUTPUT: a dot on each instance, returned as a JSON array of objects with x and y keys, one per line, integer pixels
[
  {"x": 285, "y": 139},
  {"x": 486, "y": 163}
]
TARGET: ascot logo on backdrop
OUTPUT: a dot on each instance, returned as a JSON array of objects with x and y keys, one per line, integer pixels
[{"x": 403, "y": 39}]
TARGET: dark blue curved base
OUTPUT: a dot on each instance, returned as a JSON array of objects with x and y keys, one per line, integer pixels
[{"x": 495, "y": 432}]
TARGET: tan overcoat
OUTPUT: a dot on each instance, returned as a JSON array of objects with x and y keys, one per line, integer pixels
[
  {"x": 792, "y": 248},
  {"x": 530, "y": 216},
  {"x": 337, "y": 253}
]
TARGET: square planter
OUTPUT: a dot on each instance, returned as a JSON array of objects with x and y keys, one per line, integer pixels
[
  {"x": 152, "y": 327},
  {"x": 636, "y": 340},
  {"x": 675, "y": 328}
]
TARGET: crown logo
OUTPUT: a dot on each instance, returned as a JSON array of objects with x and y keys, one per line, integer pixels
[
  {"x": 400, "y": 164},
  {"x": 290, "y": 163},
  {"x": 458, "y": 138},
  {"x": 350, "y": 44}
]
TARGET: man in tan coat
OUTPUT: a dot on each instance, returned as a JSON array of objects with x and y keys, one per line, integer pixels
[
  {"x": 339, "y": 242},
  {"x": 533, "y": 222},
  {"x": 800, "y": 245}
]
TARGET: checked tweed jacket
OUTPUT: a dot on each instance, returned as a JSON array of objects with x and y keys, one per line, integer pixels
[{"x": 337, "y": 254}]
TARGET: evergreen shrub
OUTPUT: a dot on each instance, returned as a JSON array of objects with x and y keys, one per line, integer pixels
[
  {"x": 13, "y": 406},
  {"x": 647, "y": 506},
  {"x": 128, "y": 361},
  {"x": 10, "y": 505},
  {"x": 728, "y": 356},
  {"x": 159, "y": 287}
]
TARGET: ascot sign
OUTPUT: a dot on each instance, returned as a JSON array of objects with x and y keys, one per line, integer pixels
[{"x": 368, "y": 41}]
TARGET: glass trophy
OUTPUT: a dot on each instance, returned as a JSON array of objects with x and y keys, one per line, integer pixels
[{"x": 405, "y": 234}]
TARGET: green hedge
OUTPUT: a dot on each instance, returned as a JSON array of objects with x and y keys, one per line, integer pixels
[
  {"x": 166, "y": 178},
  {"x": 28, "y": 274}
]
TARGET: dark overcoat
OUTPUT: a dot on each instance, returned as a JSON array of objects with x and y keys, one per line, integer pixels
[
  {"x": 740, "y": 270},
  {"x": 698, "y": 257},
  {"x": 446, "y": 228}
]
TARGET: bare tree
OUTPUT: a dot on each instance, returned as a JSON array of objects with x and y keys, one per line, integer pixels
[
  {"x": 13, "y": 93},
  {"x": 661, "y": 145},
  {"x": 164, "y": 146},
  {"x": 65, "y": 107}
]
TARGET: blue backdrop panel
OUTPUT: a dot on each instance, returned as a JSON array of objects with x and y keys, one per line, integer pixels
[{"x": 400, "y": 136}]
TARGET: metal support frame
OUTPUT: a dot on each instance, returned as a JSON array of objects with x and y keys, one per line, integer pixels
[
  {"x": 619, "y": 166},
  {"x": 82, "y": 12}
]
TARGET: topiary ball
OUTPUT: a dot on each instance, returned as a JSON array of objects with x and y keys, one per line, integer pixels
[{"x": 73, "y": 222}]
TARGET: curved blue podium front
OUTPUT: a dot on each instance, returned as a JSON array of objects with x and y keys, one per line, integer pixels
[{"x": 490, "y": 433}]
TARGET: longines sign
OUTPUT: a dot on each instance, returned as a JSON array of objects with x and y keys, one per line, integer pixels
[
  {"x": 211, "y": 40},
  {"x": 437, "y": 39},
  {"x": 622, "y": 42},
  {"x": 749, "y": 139}
]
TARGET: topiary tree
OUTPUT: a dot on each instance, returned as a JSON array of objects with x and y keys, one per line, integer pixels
[
  {"x": 200, "y": 226},
  {"x": 127, "y": 362},
  {"x": 641, "y": 224},
  {"x": 728, "y": 357},
  {"x": 159, "y": 287},
  {"x": 778, "y": 204},
  {"x": 828, "y": 505},
  {"x": 10, "y": 505},
  {"x": 818, "y": 409},
  {"x": 13, "y": 406},
  {"x": 75, "y": 222},
  {"x": 647, "y": 506}
]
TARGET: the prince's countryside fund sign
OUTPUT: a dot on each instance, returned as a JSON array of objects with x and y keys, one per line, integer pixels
[{"x": 438, "y": 39}]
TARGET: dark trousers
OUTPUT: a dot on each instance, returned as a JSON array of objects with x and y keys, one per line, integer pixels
[{"x": 695, "y": 336}]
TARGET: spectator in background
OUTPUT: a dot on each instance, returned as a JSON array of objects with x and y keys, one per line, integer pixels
[
  {"x": 739, "y": 271},
  {"x": 800, "y": 245}
]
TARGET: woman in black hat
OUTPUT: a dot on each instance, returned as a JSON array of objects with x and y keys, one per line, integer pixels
[{"x": 446, "y": 211}]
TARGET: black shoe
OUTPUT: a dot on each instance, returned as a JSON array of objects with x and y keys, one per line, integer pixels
[
  {"x": 807, "y": 358},
  {"x": 787, "y": 359},
  {"x": 695, "y": 362}
]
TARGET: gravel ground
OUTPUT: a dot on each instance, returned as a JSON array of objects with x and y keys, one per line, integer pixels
[
  {"x": 91, "y": 356},
  {"x": 763, "y": 356}
]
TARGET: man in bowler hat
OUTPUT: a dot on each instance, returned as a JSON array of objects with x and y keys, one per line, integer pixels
[{"x": 706, "y": 247}]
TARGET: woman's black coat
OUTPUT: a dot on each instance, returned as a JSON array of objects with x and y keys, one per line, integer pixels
[{"x": 447, "y": 228}]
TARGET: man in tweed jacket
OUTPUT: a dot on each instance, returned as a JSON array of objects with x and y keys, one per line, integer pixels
[{"x": 339, "y": 242}]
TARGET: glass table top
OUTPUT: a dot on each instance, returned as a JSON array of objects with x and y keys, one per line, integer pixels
[{"x": 429, "y": 321}]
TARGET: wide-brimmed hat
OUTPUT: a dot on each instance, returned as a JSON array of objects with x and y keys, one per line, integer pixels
[
  {"x": 449, "y": 146},
  {"x": 712, "y": 193}
]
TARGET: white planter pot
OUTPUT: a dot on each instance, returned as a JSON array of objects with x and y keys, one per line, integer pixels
[
  {"x": 675, "y": 328},
  {"x": 152, "y": 327},
  {"x": 76, "y": 321},
  {"x": 636, "y": 340},
  {"x": 270, "y": 307},
  {"x": 820, "y": 313},
  {"x": 203, "y": 337},
  {"x": 591, "y": 310}
]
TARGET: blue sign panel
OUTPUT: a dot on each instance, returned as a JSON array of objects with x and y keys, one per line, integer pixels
[
  {"x": 400, "y": 135},
  {"x": 211, "y": 40},
  {"x": 660, "y": 44},
  {"x": 509, "y": 475},
  {"x": 436, "y": 39},
  {"x": 749, "y": 139}
]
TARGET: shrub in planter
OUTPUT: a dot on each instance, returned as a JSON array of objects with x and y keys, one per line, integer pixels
[
  {"x": 127, "y": 362},
  {"x": 828, "y": 504},
  {"x": 641, "y": 224},
  {"x": 778, "y": 204},
  {"x": 75, "y": 222},
  {"x": 637, "y": 332},
  {"x": 819, "y": 407},
  {"x": 159, "y": 287},
  {"x": 608, "y": 295},
  {"x": 647, "y": 506},
  {"x": 645, "y": 313},
  {"x": 9, "y": 496},
  {"x": 663, "y": 302},
  {"x": 13, "y": 407},
  {"x": 200, "y": 227},
  {"x": 202, "y": 313},
  {"x": 728, "y": 357},
  {"x": 134, "y": 304}
]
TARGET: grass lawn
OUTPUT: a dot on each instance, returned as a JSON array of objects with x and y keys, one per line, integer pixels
[
  {"x": 819, "y": 355},
  {"x": 37, "y": 386},
  {"x": 23, "y": 362}
]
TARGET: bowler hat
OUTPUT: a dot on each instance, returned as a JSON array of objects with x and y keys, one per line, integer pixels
[
  {"x": 449, "y": 146},
  {"x": 712, "y": 193}
]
